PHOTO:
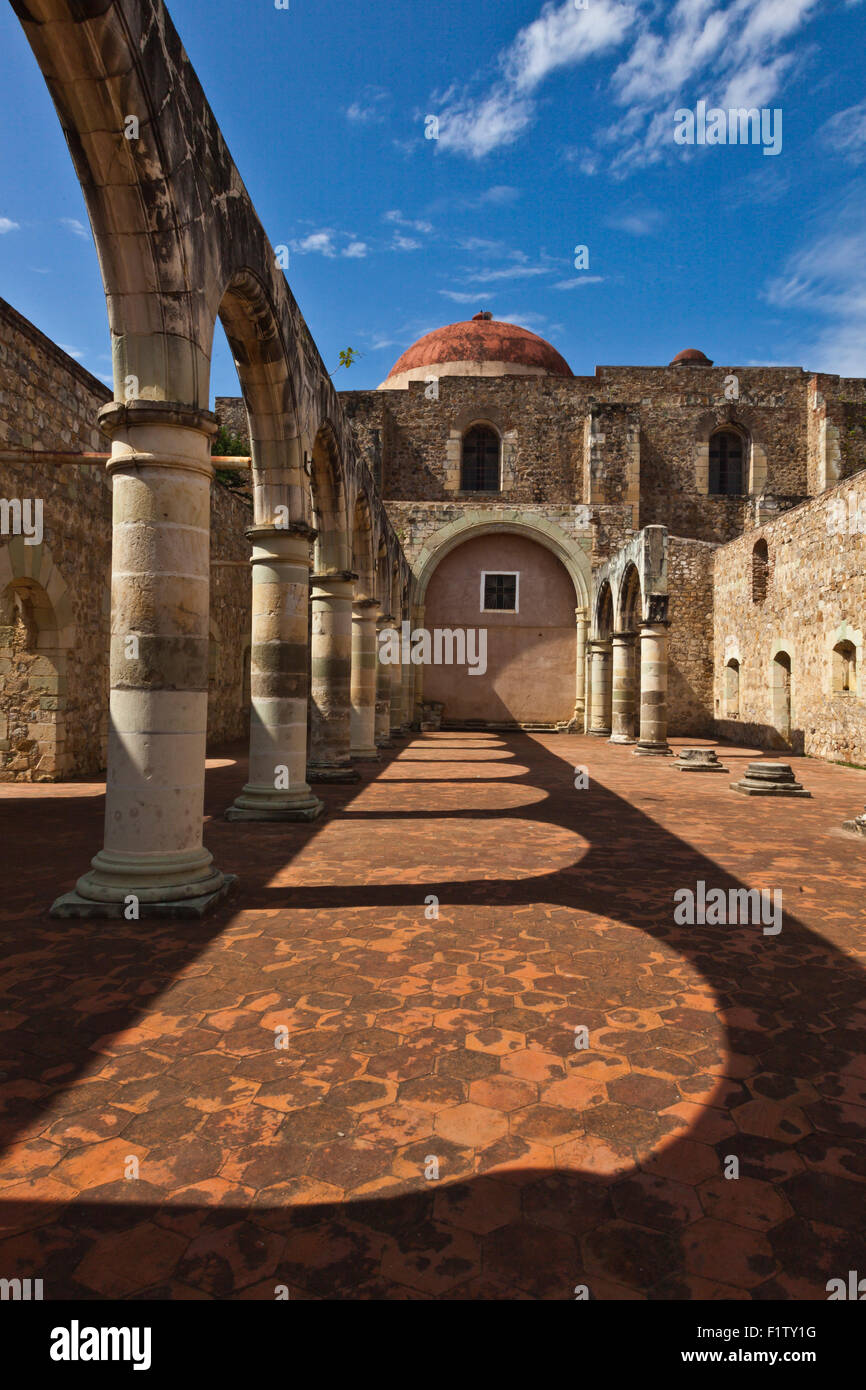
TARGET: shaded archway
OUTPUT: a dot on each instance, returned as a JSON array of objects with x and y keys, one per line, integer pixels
[{"x": 501, "y": 624}]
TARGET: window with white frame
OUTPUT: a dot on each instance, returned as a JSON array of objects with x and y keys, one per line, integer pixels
[{"x": 500, "y": 591}]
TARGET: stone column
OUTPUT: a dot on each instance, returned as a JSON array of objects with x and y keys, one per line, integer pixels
[
  {"x": 331, "y": 661},
  {"x": 364, "y": 663},
  {"x": 153, "y": 862},
  {"x": 622, "y": 721},
  {"x": 277, "y": 788},
  {"x": 398, "y": 718},
  {"x": 582, "y": 626},
  {"x": 601, "y": 689},
  {"x": 408, "y": 696},
  {"x": 383, "y": 689},
  {"x": 653, "y": 688},
  {"x": 587, "y": 712},
  {"x": 417, "y": 671}
]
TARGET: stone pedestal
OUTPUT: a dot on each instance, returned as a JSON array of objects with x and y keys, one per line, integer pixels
[
  {"x": 153, "y": 862},
  {"x": 622, "y": 720},
  {"x": 383, "y": 691},
  {"x": 653, "y": 739},
  {"x": 277, "y": 788},
  {"x": 698, "y": 760},
  {"x": 363, "y": 690},
  {"x": 601, "y": 689},
  {"x": 331, "y": 677},
  {"x": 769, "y": 779},
  {"x": 857, "y": 825}
]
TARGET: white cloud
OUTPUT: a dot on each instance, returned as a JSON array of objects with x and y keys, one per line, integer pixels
[
  {"x": 826, "y": 279},
  {"x": 578, "y": 282},
  {"x": 643, "y": 222},
  {"x": 356, "y": 250},
  {"x": 562, "y": 36},
  {"x": 7, "y": 225},
  {"x": 729, "y": 57},
  {"x": 416, "y": 224},
  {"x": 367, "y": 109},
  {"x": 500, "y": 195},
  {"x": 71, "y": 351},
  {"x": 463, "y": 296},
  {"x": 404, "y": 243},
  {"x": 511, "y": 272},
  {"x": 846, "y": 132},
  {"x": 75, "y": 227},
  {"x": 320, "y": 243}
]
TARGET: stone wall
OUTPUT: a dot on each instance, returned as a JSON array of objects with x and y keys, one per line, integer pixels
[
  {"x": 55, "y": 596},
  {"x": 816, "y": 598}
]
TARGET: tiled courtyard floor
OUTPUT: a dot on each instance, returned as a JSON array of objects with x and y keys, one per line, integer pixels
[{"x": 413, "y": 1042}]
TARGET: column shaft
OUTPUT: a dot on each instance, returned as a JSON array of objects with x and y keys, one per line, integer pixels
[
  {"x": 601, "y": 689},
  {"x": 622, "y": 720},
  {"x": 582, "y": 628},
  {"x": 331, "y": 662},
  {"x": 364, "y": 663},
  {"x": 383, "y": 690},
  {"x": 653, "y": 689},
  {"x": 153, "y": 862},
  {"x": 277, "y": 787}
]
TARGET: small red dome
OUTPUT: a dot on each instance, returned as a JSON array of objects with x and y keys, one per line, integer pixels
[
  {"x": 691, "y": 357},
  {"x": 482, "y": 339}
]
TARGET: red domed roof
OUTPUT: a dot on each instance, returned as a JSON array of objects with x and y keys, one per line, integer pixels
[
  {"x": 482, "y": 339},
  {"x": 691, "y": 357}
]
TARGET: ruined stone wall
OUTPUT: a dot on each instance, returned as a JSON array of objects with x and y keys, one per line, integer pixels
[
  {"x": 690, "y": 656},
  {"x": 55, "y": 596},
  {"x": 680, "y": 407},
  {"x": 816, "y": 598},
  {"x": 544, "y": 416}
]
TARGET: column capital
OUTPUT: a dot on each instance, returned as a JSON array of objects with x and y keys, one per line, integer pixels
[
  {"x": 295, "y": 530},
  {"x": 624, "y": 638},
  {"x": 333, "y": 577},
  {"x": 365, "y": 603},
  {"x": 123, "y": 415},
  {"x": 655, "y": 626}
]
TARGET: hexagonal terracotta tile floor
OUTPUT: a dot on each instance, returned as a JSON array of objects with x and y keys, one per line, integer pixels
[{"x": 434, "y": 1126}]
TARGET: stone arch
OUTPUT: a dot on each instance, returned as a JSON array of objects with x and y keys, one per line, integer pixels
[
  {"x": 363, "y": 553},
  {"x": 604, "y": 612},
  {"x": 629, "y": 602},
  {"x": 476, "y": 522},
  {"x": 249, "y": 318},
  {"x": 328, "y": 502}
]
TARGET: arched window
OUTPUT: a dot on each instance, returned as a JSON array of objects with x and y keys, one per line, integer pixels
[
  {"x": 726, "y": 463},
  {"x": 844, "y": 668},
  {"x": 760, "y": 571},
  {"x": 732, "y": 689},
  {"x": 480, "y": 468}
]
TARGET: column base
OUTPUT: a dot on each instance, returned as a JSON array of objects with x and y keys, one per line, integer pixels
[
  {"x": 599, "y": 733},
  {"x": 366, "y": 755},
  {"x": 73, "y": 905},
  {"x": 332, "y": 772},
  {"x": 384, "y": 743},
  {"x": 261, "y": 804},
  {"x": 621, "y": 738},
  {"x": 645, "y": 750}
]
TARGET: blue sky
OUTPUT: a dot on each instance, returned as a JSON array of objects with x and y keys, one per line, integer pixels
[{"x": 555, "y": 130}]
